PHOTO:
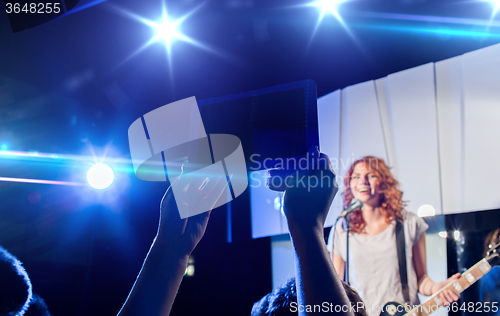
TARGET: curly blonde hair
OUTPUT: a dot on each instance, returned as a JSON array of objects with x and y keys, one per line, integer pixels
[{"x": 392, "y": 202}]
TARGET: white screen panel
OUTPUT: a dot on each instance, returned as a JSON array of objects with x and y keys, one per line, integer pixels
[
  {"x": 411, "y": 108},
  {"x": 449, "y": 113},
  {"x": 329, "y": 140},
  {"x": 282, "y": 260},
  {"x": 362, "y": 133},
  {"x": 380, "y": 86},
  {"x": 266, "y": 220},
  {"x": 329, "y": 126},
  {"x": 481, "y": 91}
]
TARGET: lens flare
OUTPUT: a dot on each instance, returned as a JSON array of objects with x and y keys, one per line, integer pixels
[
  {"x": 100, "y": 176},
  {"x": 328, "y": 6}
]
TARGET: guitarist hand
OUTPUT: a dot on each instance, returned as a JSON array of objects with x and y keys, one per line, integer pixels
[{"x": 447, "y": 296}]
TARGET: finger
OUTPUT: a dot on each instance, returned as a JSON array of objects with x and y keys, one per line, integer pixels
[
  {"x": 180, "y": 182},
  {"x": 278, "y": 178},
  {"x": 209, "y": 201},
  {"x": 197, "y": 182},
  {"x": 442, "y": 299},
  {"x": 200, "y": 219},
  {"x": 210, "y": 186},
  {"x": 445, "y": 297},
  {"x": 183, "y": 183},
  {"x": 324, "y": 163},
  {"x": 196, "y": 225},
  {"x": 169, "y": 190},
  {"x": 455, "y": 276},
  {"x": 452, "y": 296},
  {"x": 280, "y": 172},
  {"x": 176, "y": 180},
  {"x": 280, "y": 181}
]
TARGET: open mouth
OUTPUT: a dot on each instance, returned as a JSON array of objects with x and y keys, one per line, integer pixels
[{"x": 364, "y": 191}]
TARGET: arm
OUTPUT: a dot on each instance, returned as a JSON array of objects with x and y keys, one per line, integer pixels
[
  {"x": 156, "y": 286},
  {"x": 306, "y": 207},
  {"x": 339, "y": 265},
  {"x": 425, "y": 285}
]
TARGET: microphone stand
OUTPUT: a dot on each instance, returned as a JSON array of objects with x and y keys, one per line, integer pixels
[
  {"x": 356, "y": 204},
  {"x": 348, "y": 229}
]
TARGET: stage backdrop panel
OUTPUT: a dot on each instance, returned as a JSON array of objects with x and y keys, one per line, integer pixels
[
  {"x": 450, "y": 125},
  {"x": 361, "y": 133},
  {"x": 481, "y": 99},
  {"x": 361, "y": 126},
  {"x": 411, "y": 105},
  {"x": 435, "y": 125},
  {"x": 329, "y": 124}
]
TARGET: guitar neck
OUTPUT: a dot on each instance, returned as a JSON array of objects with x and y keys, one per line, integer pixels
[{"x": 468, "y": 278}]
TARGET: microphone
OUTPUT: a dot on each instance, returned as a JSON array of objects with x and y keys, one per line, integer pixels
[{"x": 355, "y": 205}]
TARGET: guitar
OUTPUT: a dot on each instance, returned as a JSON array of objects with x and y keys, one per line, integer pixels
[{"x": 458, "y": 286}]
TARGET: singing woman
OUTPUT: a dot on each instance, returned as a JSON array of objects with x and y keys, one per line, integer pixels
[{"x": 373, "y": 259}]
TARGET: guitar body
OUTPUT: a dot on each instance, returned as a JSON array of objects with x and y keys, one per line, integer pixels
[
  {"x": 393, "y": 309},
  {"x": 457, "y": 286}
]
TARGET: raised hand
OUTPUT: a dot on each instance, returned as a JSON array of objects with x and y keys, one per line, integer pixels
[
  {"x": 156, "y": 286},
  {"x": 186, "y": 233},
  {"x": 309, "y": 190}
]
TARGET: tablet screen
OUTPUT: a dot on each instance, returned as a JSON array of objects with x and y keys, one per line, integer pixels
[{"x": 272, "y": 124}]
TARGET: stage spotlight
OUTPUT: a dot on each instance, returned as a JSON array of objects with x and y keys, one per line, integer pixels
[
  {"x": 456, "y": 235},
  {"x": 496, "y": 6},
  {"x": 328, "y": 6},
  {"x": 167, "y": 31},
  {"x": 100, "y": 176},
  {"x": 443, "y": 234}
]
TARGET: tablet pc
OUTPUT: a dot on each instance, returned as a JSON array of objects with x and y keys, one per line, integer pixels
[{"x": 273, "y": 124}]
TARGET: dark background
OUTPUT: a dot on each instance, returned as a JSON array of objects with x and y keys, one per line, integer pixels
[{"x": 74, "y": 85}]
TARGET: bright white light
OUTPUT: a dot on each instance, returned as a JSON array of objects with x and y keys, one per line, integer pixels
[
  {"x": 167, "y": 31},
  {"x": 443, "y": 234},
  {"x": 426, "y": 210},
  {"x": 328, "y": 6},
  {"x": 496, "y": 6},
  {"x": 189, "y": 270},
  {"x": 456, "y": 235},
  {"x": 277, "y": 203},
  {"x": 100, "y": 176}
]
